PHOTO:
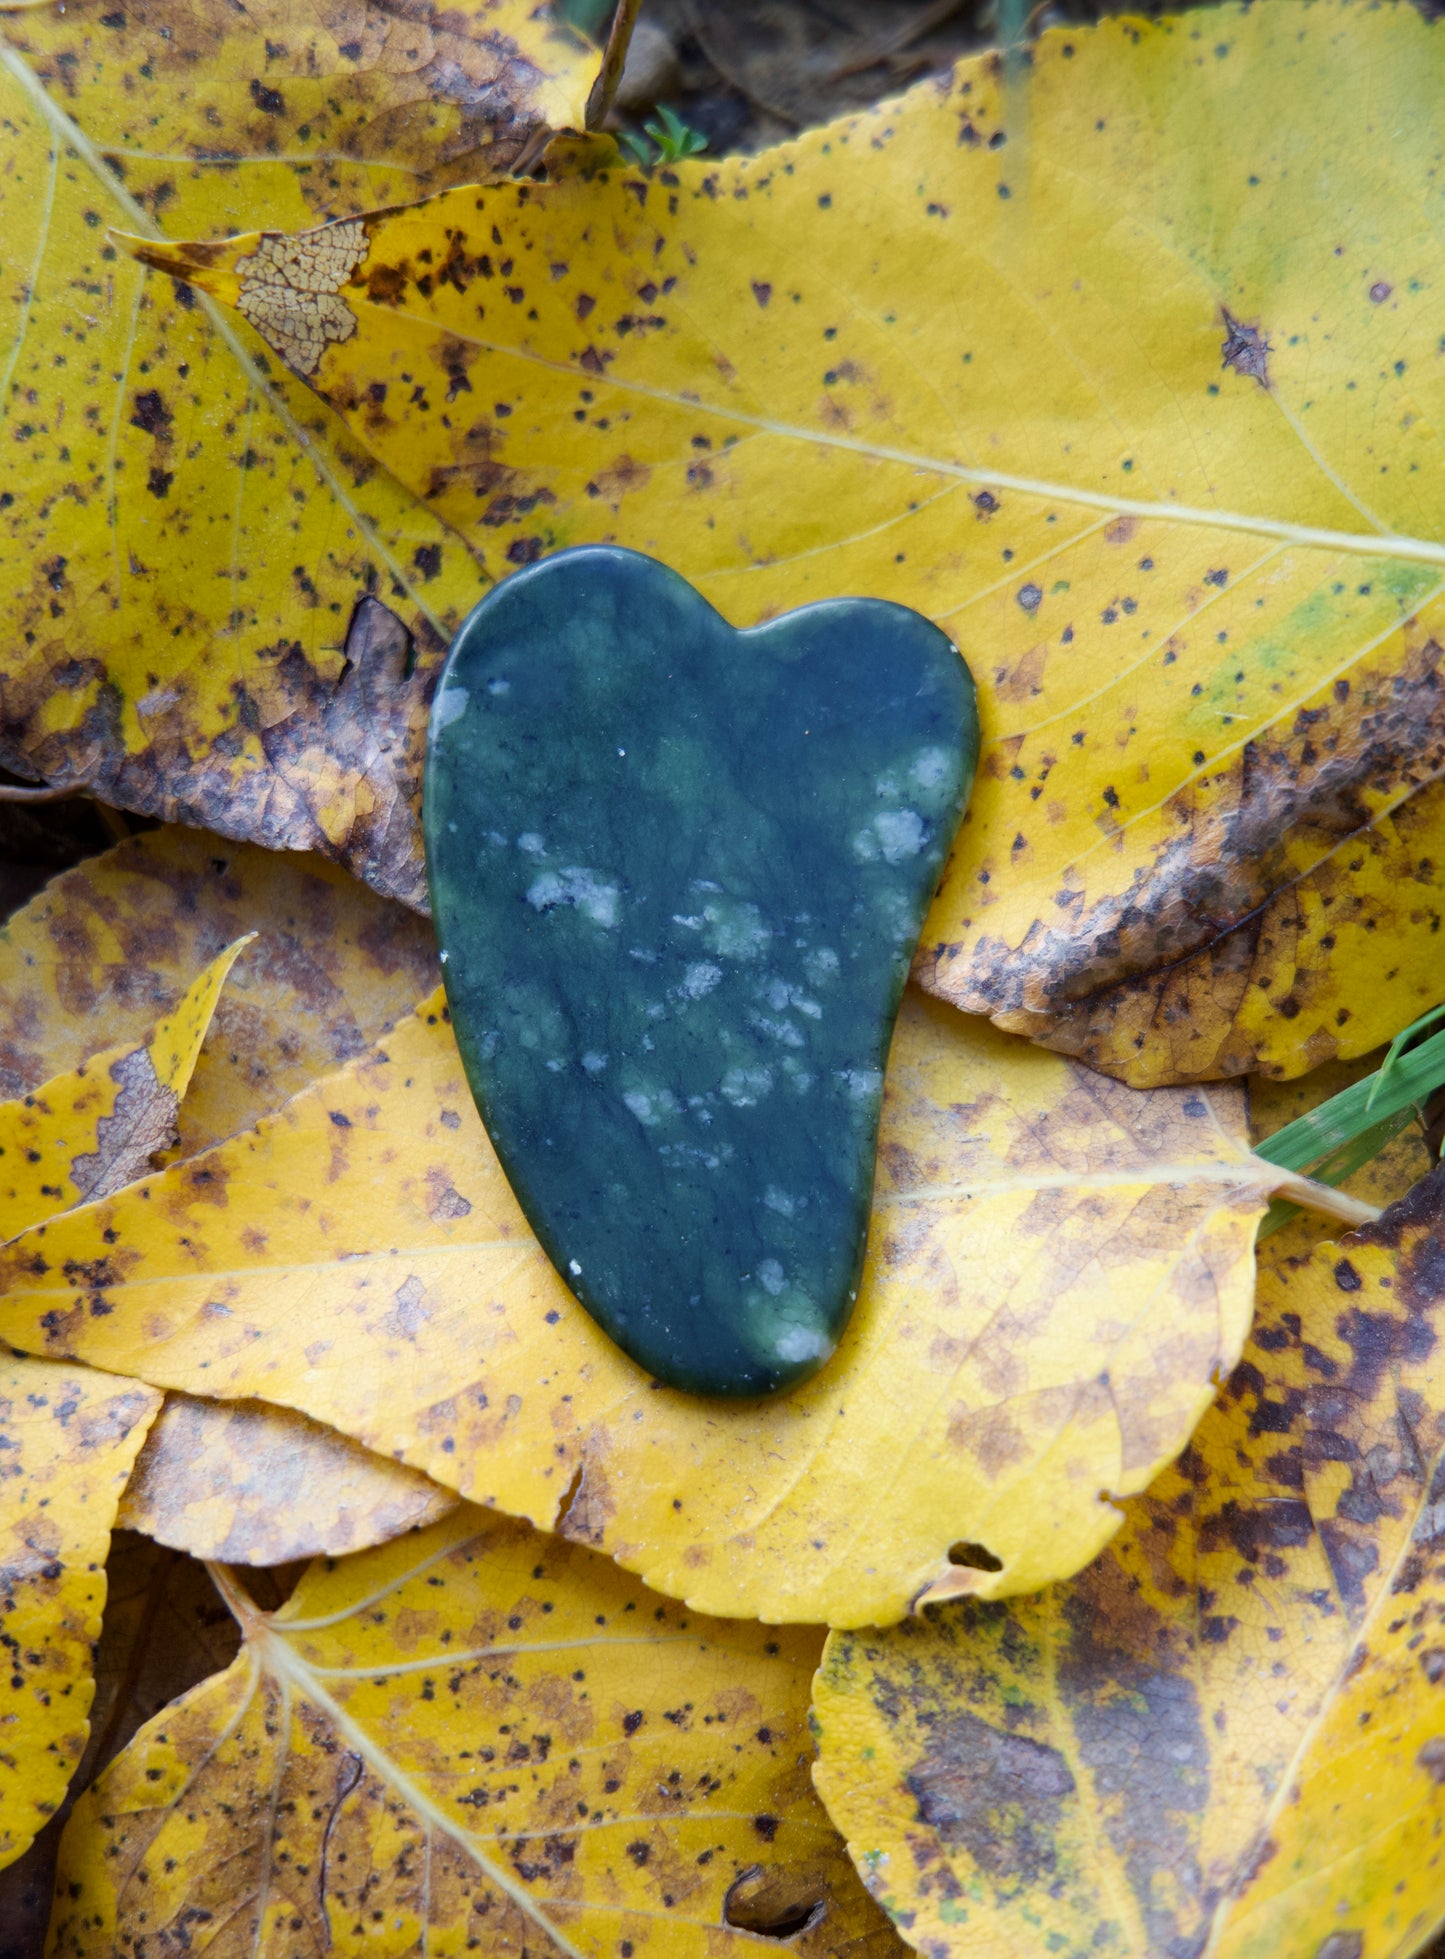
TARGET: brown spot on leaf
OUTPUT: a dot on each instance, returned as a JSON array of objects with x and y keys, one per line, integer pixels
[{"x": 1245, "y": 349}]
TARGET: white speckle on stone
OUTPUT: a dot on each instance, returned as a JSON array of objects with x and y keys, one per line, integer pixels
[
  {"x": 771, "y": 1276},
  {"x": 555, "y": 1065},
  {"x": 802, "y": 1343},
  {"x": 865, "y": 845},
  {"x": 746, "y": 1087},
  {"x": 822, "y": 965},
  {"x": 622, "y": 752},
  {"x": 930, "y": 767},
  {"x": 777, "y": 1030},
  {"x": 736, "y": 930},
  {"x": 451, "y": 706},
  {"x": 779, "y": 1201},
  {"x": 900, "y": 833},
  {"x": 451, "y": 828},
  {"x": 594, "y": 1062},
  {"x": 499, "y": 687},
  {"x": 531, "y": 843},
  {"x": 574, "y": 1268},
  {"x": 650, "y": 1105},
  {"x": 444, "y": 955},
  {"x": 586, "y": 890},
  {"x": 861, "y": 1083},
  {"x": 699, "y": 980}
]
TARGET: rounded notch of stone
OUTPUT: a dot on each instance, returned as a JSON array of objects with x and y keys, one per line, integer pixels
[{"x": 679, "y": 871}]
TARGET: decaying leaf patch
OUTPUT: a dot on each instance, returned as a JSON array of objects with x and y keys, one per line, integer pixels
[
  {"x": 1205, "y": 612},
  {"x": 88, "y": 1133},
  {"x": 69, "y": 1437},
  {"x": 1058, "y": 1269},
  {"x": 1226, "y": 1733},
  {"x": 491, "y": 1739},
  {"x": 240, "y": 1483},
  {"x": 107, "y": 949}
]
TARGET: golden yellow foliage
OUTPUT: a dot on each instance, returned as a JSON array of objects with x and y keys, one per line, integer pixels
[
  {"x": 1141, "y": 409},
  {"x": 475, "y": 1739},
  {"x": 1058, "y": 1269},
  {"x": 87, "y": 1133},
  {"x": 190, "y": 568},
  {"x": 106, "y": 949},
  {"x": 69, "y": 1436},
  {"x": 1228, "y": 1733},
  {"x": 246, "y": 1484}
]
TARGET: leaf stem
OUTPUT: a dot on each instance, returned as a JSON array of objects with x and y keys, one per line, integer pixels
[{"x": 614, "y": 60}]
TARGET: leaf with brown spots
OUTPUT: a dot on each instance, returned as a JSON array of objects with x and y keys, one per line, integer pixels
[
  {"x": 88, "y": 1133},
  {"x": 1155, "y": 442},
  {"x": 68, "y": 1437},
  {"x": 1058, "y": 1269},
  {"x": 107, "y": 949},
  {"x": 246, "y": 1484},
  {"x": 476, "y": 1739},
  {"x": 1228, "y": 1734},
  {"x": 215, "y": 608}
]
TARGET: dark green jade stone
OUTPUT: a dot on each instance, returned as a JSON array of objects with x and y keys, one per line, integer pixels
[{"x": 678, "y": 874}]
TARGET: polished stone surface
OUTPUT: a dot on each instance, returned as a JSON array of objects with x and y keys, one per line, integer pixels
[{"x": 678, "y": 873}]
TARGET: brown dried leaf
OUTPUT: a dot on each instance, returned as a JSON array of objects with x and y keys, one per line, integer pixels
[{"x": 241, "y": 1483}]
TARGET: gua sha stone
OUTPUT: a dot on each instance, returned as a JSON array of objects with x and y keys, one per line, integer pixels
[{"x": 678, "y": 873}]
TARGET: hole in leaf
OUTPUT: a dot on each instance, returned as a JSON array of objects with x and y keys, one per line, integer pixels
[
  {"x": 774, "y": 1903},
  {"x": 977, "y": 1555}
]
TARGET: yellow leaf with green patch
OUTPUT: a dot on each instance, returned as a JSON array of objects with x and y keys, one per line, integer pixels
[
  {"x": 105, "y": 950},
  {"x": 1228, "y": 1734},
  {"x": 243, "y": 1483},
  {"x": 1120, "y": 377},
  {"x": 198, "y": 575},
  {"x": 1058, "y": 1268},
  {"x": 478, "y": 1739},
  {"x": 69, "y": 1438},
  {"x": 89, "y": 1132}
]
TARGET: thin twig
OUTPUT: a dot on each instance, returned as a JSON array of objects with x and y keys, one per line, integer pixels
[{"x": 614, "y": 60}]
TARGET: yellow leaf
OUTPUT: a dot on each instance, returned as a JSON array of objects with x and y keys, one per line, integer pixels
[
  {"x": 478, "y": 1739},
  {"x": 1058, "y": 1269},
  {"x": 69, "y": 1438},
  {"x": 1228, "y": 1733},
  {"x": 87, "y": 1133},
  {"x": 1142, "y": 409},
  {"x": 190, "y": 570},
  {"x": 105, "y": 950},
  {"x": 247, "y": 1484}
]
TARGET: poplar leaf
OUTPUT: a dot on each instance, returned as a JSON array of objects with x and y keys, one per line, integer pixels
[
  {"x": 1228, "y": 1732},
  {"x": 1058, "y": 1269},
  {"x": 245, "y": 1484},
  {"x": 107, "y": 949},
  {"x": 198, "y": 590},
  {"x": 1142, "y": 409},
  {"x": 70, "y": 1435},
  {"x": 476, "y": 1739},
  {"x": 88, "y": 1133}
]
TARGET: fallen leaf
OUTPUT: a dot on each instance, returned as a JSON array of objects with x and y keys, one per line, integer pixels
[
  {"x": 165, "y": 1630},
  {"x": 246, "y": 1484},
  {"x": 1058, "y": 1270},
  {"x": 167, "y": 641},
  {"x": 87, "y": 1133},
  {"x": 479, "y": 1738},
  {"x": 1185, "y": 540},
  {"x": 106, "y": 950},
  {"x": 70, "y": 1436},
  {"x": 1226, "y": 1734}
]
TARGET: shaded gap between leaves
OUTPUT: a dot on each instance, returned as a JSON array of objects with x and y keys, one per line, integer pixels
[
  {"x": 774, "y": 1904},
  {"x": 977, "y": 1556}
]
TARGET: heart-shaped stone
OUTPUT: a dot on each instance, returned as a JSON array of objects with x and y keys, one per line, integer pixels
[{"x": 678, "y": 873}]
